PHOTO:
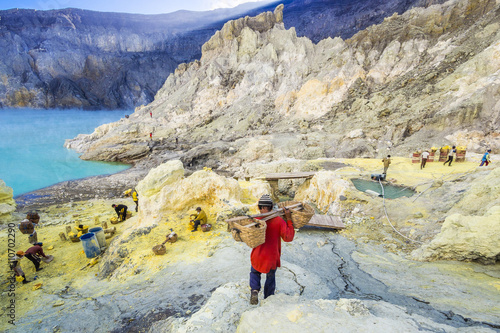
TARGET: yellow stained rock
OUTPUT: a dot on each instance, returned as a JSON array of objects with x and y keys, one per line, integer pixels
[
  {"x": 58, "y": 303},
  {"x": 294, "y": 315}
]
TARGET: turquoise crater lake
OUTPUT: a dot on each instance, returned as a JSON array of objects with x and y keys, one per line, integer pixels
[{"x": 32, "y": 153}]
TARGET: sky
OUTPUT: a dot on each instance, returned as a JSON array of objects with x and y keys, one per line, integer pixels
[{"x": 125, "y": 6}]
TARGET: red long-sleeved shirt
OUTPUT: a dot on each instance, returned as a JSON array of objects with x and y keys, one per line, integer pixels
[
  {"x": 37, "y": 249},
  {"x": 267, "y": 256}
]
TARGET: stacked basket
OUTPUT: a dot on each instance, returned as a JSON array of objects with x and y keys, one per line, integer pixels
[{"x": 33, "y": 217}]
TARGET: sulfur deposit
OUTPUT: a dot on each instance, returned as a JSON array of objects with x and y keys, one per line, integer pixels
[{"x": 7, "y": 203}]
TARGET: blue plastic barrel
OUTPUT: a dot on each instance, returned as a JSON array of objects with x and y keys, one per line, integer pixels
[
  {"x": 90, "y": 245},
  {"x": 101, "y": 237}
]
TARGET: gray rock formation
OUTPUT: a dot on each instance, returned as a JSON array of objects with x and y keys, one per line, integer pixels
[
  {"x": 411, "y": 82},
  {"x": 77, "y": 58},
  {"x": 320, "y": 19},
  {"x": 92, "y": 60}
]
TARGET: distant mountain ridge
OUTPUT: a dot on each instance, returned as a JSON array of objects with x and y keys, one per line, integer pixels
[
  {"x": 319, "y": 19},
  {"x": 78, "y": 58}
]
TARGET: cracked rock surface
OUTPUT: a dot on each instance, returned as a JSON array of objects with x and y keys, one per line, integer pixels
[{"x": 316, "y": 287}]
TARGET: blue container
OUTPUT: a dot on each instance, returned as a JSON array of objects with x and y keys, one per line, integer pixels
[
  {"x": 90, "y": 245},
  {"x": 99, "y": 234}
]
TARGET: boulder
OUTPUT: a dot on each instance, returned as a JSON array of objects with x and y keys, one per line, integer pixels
[
  {"x": 201, "y": 188},
  {"x": 164, "y": 189},
  {"x": 254, "y": 189},
  {"x": 228, "y": 310},
  {"x": 465, "y": 238},
  {"x": 324, "y": 190},
  {"x": 481, "y": 195},
  {"x": 7, "y": 203},
  {"x": 159, "y": 177}
]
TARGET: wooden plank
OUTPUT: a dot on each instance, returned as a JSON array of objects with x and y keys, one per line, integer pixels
[
  {"x": 326, "y": 221},
  {"x": 289, "y": 175}
]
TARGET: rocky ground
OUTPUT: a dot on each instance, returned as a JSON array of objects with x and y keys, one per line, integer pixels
[{"x": 363, "y": 277}]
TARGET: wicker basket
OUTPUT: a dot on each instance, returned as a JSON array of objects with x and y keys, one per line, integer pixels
[
  {"x": 73, "y": 237},
  {"x": 33, "y": 217},
  {"x": 241, "y": 220},
  {"x": 26, "y": 227},
  {"x": 248, "y": 230},
  {"x": 172, "y": 239},
  {"x": 159, "y": 249},
  {"x": 299, "y": 217}
]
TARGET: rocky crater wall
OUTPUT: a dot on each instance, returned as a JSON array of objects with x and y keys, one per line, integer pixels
[
  {"x": 76, "y": 58},
  {"x": 417, "y": 80}
]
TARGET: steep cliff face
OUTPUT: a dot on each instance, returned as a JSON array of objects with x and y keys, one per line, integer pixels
[
  {"x": 425, "y": 78},
  {"x": 77, "y": 58}
]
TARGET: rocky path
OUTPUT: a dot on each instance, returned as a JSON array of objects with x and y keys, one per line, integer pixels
[
  {"x": 348, "y": 280},
  {"x": 318, "y": 264}
]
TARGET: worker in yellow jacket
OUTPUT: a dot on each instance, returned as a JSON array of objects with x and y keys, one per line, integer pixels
[
  {"x": 200, "y": 218},
  {"x": 386, "y": 161},
  {"x": 135, "y": 197}
]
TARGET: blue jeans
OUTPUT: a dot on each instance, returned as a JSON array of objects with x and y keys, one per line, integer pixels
[{"x": 270, "y": 284}]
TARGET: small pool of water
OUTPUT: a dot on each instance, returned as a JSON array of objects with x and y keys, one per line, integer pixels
[{"x": 390, "y": 191}]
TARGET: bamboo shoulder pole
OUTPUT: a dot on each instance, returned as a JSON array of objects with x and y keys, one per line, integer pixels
[{"x": 278, "y": 212}]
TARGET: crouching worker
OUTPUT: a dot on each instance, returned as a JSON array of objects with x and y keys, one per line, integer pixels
[
  {"x": 33, "y": 254},
  {"x": 121, "y": 211},
  {"x": 377, "y": 177},
  {"x": 199, "y": 218},
  {"x": 265, "y": 258},
  {"x": 16, "y": 266}
]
